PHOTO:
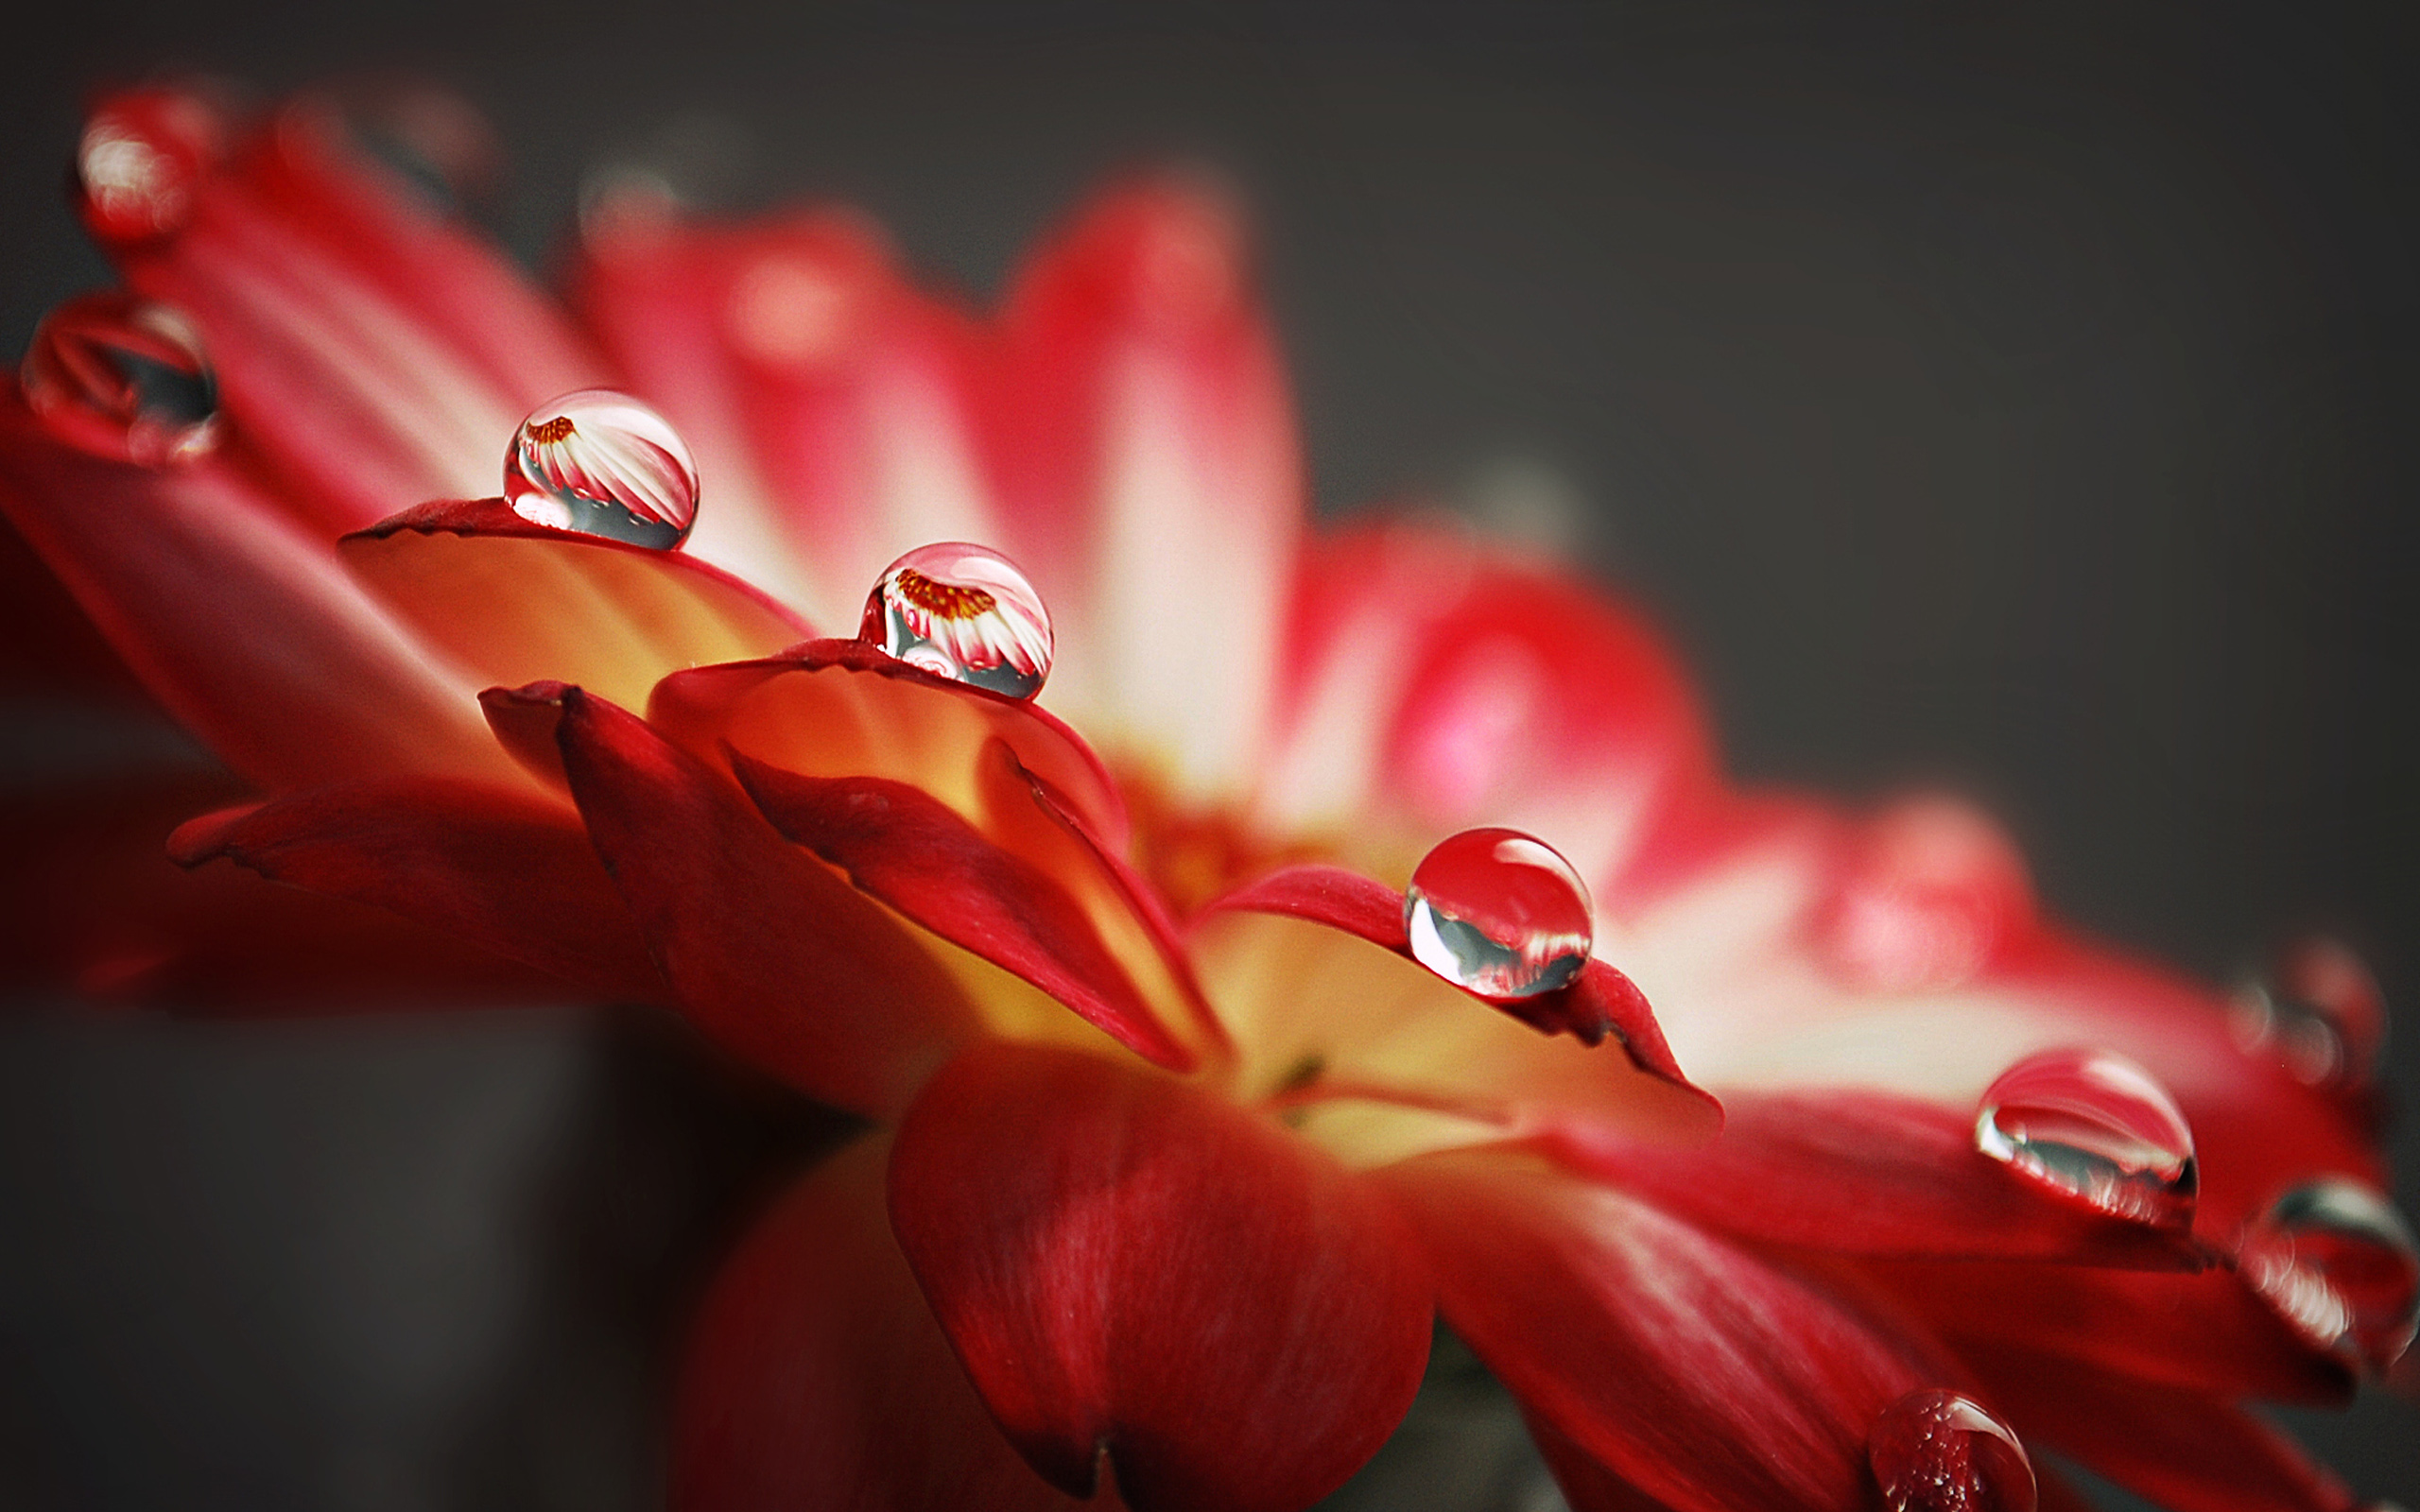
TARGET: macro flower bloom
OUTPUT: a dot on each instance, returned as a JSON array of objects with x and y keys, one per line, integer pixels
[{"x": 1238, "y": 939}]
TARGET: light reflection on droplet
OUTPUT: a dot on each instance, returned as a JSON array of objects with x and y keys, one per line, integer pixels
[
  {"x": 122, "y": 377},
  {"x": 2337, "y": 1261},
  {"x": 603, "y": 464},
  {"x": 1935, "y": 1450},
  {"x": 1499, "y": 913},
  {"x": 140, "y": 162},
  {"x": 2094, "y": 1127},
  {"x": 964, "y": 613}
]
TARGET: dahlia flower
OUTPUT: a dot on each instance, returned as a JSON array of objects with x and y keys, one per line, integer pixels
[{"x": 1237, "y": 938}]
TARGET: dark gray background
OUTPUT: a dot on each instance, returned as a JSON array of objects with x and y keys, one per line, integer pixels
[{"x": 2012, "y": 394}]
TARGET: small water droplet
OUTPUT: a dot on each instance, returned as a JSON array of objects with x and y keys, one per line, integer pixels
[
  {"x": 601, "y": 463},
  {"x": 122, "y": 377},
  {"x": 2339, "y": 1262},
  {"x": 141, "y": 159},
  {"x": 2320, "y": 1013},
  {"x": 1499, "y": 913},
  {"x": 1935, "y": 1450},
  {"x": 2097, "y": 1127},
  {"x": 964, "y": 613}
]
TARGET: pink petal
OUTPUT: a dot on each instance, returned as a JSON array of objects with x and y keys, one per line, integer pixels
[
  {"x": 2187, "y": 1453},
  {"x": 508, "y": 871},
  {"x": 2207, "y": 1334},
  {"x": 1865, "y": 1173},
  {"x": 915, "y": 853},
  {"x": 1704, "y": 1377},
  {"x": 817, "y": 1378},
  {"x": 372, "y": 354},
  {"x": 829, "y": 401},
  {"x": 768, "y": 950},
  {"x": 1601, "y": 1002},
  {"x": 1435, "y": 685},
  {"x": 514, "y": 601},
  {"x": 1150, "y": 477},
  {"x": 240, "y": 622},
  {"x": 1135, "y": 1270}
]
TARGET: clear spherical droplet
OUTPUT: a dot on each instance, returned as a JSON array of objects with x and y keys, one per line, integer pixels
[
  {"x": 2094, "y": 1127},
  {"x": 601, "y": 463},
  {"x": 2319, "y": 1013},
  {"x": 964, "y": 613},
  {"x": 122, "y": 377},
  {"x": 1938, "y": 1452},
  {"x": 1499, "y": 913},
  {"x": 141, "y": 161},
  {"x": 2337, "y": 1261}
]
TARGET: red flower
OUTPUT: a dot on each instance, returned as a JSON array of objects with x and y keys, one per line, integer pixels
[{"x": 1186, "y": 1125}]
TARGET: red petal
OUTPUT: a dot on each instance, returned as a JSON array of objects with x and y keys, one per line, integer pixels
[
  {"x": 1704, "y": 1377},
  {"x": 1131, "y": 1268},
  {"x": 91, "y": 904},
  {"x": 2207, "y": 1334},
  {"x": 817, "y": 1378},
  {"x": 503, "y": 870},
  {"x": 846, "y": 708},
  {"x": 768, "y": 950},
  {"x": 514, "y": 601},
  {"x": 1601, "y": 1002},
  {"x": 373, "y": 355},
  {"x": 829, "y": 403},
  {"x": 915, "y": 853},
  {"x": 1865, "y": 1173},
  {"x": 2186, "y": 1452},
  {"x": 1153, "y": 488},
  {"x": 1436, "y": 685},
  {"x": 243, "y": 626}
]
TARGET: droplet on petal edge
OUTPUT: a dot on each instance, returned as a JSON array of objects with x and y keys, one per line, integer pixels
[
  {"x": 122, "y": 377},
  {"x": 141, "y": 161},
  {"x": 1935, "y": 1450},
  {"x": 2319, "y": 1012},
  {"x": 603, "y": 464},
  {"x": 2337, "y": 1262},
  {"x": 964, "y": 613},
  {"x": 1499, "y": 913},
  {"x": 2096, "y": 1128}
]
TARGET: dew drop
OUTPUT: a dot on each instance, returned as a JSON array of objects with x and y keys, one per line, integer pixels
[
  {"x": 2094, "y": 1127},
  {"x": 964, "y": 613},
  {"x": 2337, "y": 1261},
  {"x": 122, "y": 377},
  {"x": 141, "y": 161},
  {"x": 603, "y": 464},
  {"x": 1935, "y": 1450},
  {"x": 1499, "y": 913},
  {"x": 2319, "y": 1012}
]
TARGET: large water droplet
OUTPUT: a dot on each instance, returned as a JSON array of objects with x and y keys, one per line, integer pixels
[
  {"x": 601, "y": 463},
  {"x": 121, "y": 377},
  {"x": 1938, "y": 1452},
  {"x": 1499, "y": 913},
  {"x": 141, "y": 159},
  {"x": 2337, "y": 1261},
  {"x": 964, "y": 613},
  {"x": 2320, "y": 1013},
  {"x": 2094, "y": 1127}
]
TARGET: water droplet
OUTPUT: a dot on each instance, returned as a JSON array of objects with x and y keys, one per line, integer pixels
[
  {"x": 2337, "y": 1261},
  {"x": 1499, "y": 913},
  {"x": 2320, "y": 1013},
  {"x": 964, "y": 613},
  {"x": 601, "y": 463},
  {"x": 2097, "y": 1127},
  {"x": 1938, "y": 1452},
  {"x": 141, "y": 159},
  {"x": 122, "y": 377}
]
